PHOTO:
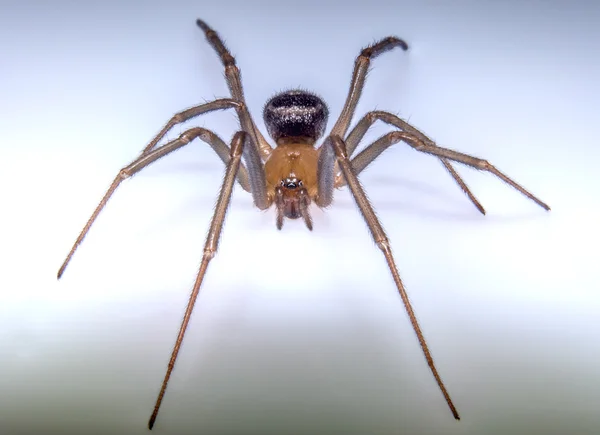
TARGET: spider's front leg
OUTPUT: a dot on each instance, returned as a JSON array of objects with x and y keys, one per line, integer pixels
[
  {"x": 239, "y": 143},
  {"x": 334, "y": 145},
  {"x": 234, "y": 82},
  {"x": 359, "y": 75}
]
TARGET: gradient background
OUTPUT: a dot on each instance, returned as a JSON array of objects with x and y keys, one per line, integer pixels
[{"x": 300, "y": 333}]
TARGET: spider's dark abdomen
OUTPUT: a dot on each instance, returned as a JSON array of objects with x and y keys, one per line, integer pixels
[{"x": 295, "y": 114}]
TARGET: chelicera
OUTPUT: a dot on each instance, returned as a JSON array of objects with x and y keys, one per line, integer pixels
[{"x": 297, "y": 172}]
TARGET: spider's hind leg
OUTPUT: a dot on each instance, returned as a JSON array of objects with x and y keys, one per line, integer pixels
[
  {"x": 149, "y": 156},
  {"x": 369, "y": 154},
  {"x": 417, "y": 142}
]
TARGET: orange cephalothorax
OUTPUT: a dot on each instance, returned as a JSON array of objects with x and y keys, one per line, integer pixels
[
  {"x": 293, "y": 161},
  {"x": 291, "y": 175}
]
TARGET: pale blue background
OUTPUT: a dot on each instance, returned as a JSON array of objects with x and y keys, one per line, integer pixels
[{"x": 300, "y": 333}]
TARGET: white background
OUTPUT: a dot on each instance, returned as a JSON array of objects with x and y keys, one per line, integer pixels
[{"x": 297, "y": 332}]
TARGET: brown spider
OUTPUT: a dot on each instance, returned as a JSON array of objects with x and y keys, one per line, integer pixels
[{"x": 295, "y": 172}]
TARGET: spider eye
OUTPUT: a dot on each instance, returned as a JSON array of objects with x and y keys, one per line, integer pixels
[{"x": 291, "y": 183}]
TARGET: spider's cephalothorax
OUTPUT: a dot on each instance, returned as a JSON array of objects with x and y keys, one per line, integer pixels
[{"x": 295, "y": 120}]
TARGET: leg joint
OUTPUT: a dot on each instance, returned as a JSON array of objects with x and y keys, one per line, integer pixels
[
  {"x": 187, "y": 136},
  {"x": 484, "y": 165},
  {"x": 241, "y": 106},
  {"x": 228, "y": 60},
  {"x": 383, "y": 243},
  {"x": 206, "y": 135},
  {"x": 230, "y": 67},
  {"x": 209, "y": 252},
  {"x": 398, "y": 135},
  {"x": 374, "y": 116},
  {"x": 339, "y": 147},
  {"x": 364, "y": 57},
  {"x": 382, "y": 46},
  {"x": 125, "y": 173}
]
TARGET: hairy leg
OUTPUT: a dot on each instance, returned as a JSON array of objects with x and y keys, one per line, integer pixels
[
  {"x": 383, "y": 243},
  {"x": 359, "y": 75},
  {"x": 187, "y": 114},
  {"x": 146, "y": 159},
  {"x": 358, "y": 132},
  {"x": 210, "y": 249},
  {"x": 376, "y": 148},
  {"x": 234, "y": 82}
]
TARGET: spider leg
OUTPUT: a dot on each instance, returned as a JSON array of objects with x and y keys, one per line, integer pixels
[
  {"x": 325, "y": 173},
  {"x": 361, "y": 67},
  {"x": 210, "y": 249},
  {"x": 383, "y": 243},
  {"x": 376, "y": 148},
  {"x": 149, "y": 157},
  {"x": 186, "y": 115},
  {"x": 215, "y": 142},
  {"x": 256, "y": 175},
  {"x": 356, "y": 135},
  {"x": 234, "y": 82}
]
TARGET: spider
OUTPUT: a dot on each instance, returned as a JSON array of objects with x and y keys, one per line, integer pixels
[{"x": 296, "y": 173}]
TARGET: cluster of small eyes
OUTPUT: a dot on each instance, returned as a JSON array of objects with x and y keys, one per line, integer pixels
[{"x": 291, "y": 183}]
